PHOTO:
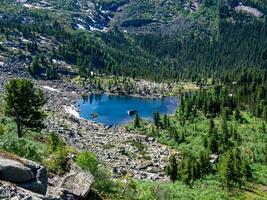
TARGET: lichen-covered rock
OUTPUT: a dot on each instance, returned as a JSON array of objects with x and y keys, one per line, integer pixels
[{"x": 77, "y": 182}]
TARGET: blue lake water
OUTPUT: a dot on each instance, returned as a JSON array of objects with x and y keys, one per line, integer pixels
[{"x": 112, "y": 110}]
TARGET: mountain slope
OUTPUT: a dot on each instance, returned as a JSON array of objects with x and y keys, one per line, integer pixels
[{"x": 154, "y": 39}]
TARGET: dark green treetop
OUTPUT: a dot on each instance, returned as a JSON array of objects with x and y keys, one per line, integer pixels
[{"x": 23, "y": 102}]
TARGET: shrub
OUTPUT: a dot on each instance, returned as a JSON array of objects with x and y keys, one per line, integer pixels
[
  {"x": 103, "y": 181},
  {"x": 88, "y": 161},
  {"x": 58, "y": 161},
  {"x": 54, "y": 143},
  {"x": 21, "y": 147}
]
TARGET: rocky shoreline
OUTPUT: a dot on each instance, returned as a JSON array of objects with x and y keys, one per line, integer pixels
[{"x": 114, "y": 146}]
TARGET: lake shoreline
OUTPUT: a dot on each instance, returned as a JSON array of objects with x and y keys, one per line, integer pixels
[
  {"x": 99, "y": 138},
  {"x": 113, "y": 111},
  {"x": 108, "y": 143}
]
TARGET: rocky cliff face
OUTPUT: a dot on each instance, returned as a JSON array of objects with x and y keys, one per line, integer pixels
[{"x": 141, "y": 16}]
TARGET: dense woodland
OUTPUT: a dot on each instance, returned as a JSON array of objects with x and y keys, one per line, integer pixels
[
  {"x": 226, "y": 121},
  {"x": 239, "y": 44}
]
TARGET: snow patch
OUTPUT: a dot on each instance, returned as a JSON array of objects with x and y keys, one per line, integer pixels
[
  {"x": 105, "y": 29},
  {"x": 81, "y": 27},
  {"x": 72, "y": 111},
  {"x": 92, "y": 19},
  {"x": 50, "y": 89},
  {"x": 250, "y": 10},
  {"x": 36, "y": 6},
  {"x": 80, "y": 19},
  {"x": 25, "y": 40}
]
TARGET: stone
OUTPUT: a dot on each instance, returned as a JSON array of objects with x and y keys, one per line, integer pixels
[
  {"x": 78, "y": 183},
  {"x": 145, "y": 165},
  {"x": 9, "y": 191},
  {"x": 14, "y": 171},
  {"x": 25, "y": 173}
]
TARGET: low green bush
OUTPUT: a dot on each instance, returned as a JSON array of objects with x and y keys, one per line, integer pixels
[
  {"x": 21, "y": 147},
  {"x": 58, "y": 161},
  {"x": 54, "y": 143},
  {"x": 103, "y": 182},
  {"x": 88, "y": 161}
]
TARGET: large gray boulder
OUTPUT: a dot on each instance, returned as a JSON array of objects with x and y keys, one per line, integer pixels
[
  {"x": 25, "y": 173},
  {"x": 14, "y": 171},
  {"x": 77, "y": 182}
]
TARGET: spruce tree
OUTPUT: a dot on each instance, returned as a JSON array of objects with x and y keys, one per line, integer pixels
[{"x": 226, "y": 169}]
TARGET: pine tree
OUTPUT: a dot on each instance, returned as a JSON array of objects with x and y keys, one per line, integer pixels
[
  {"x": 236, "y": 173},
  {"x": 181, "y": 105},
  {"x": 213, "y": 137},
  {"x": 183, "y": 136},
  {"x": 263, "y": 127},
  {"x": 166, "y": 121},
  {"x": 247, "y": 171},
  {"x": 211, "y": 126},
  {"x": 23, "y": 102},
  {"x": 233, "y": 169},
  {"x": 186, "y": 170},
  {"x": 35, "y": 66},
  {"x": 225, "y": 135},
  {"x": 204, "y": 164},
  {"x": 205, "y": 142},
  {"x": 265, "y": 113}
]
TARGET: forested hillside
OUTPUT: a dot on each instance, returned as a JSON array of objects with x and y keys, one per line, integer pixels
[{"x": 214, "y": 37}]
